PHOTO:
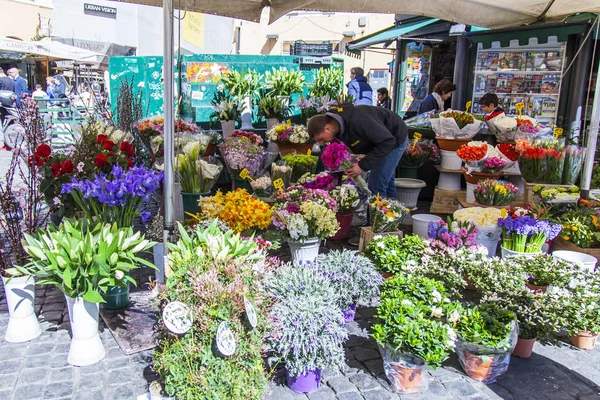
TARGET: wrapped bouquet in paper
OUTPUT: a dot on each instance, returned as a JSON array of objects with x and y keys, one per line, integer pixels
[
  {"x": 541, "y": 161},
  {"x": 492, "y": 192},
  {"x": 456, "y": 125},
  {"x": 323, "y": 180},
  {"x": 418, "y": 152},
  {"x": 209, "y": 168},
  {"x": 337, "y": 157},
  {"x": 262, "y": 186},
  {"x": 386, "y": 214},
  {"x": 473, "y": 153},
  {"x": 280, "y": 170}
]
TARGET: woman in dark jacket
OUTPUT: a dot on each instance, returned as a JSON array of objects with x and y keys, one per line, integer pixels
[{"x": 435, "y": 101}]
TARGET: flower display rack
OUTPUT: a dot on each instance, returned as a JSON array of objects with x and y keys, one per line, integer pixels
[
  {"x": 367, "y": 234},
  {"x": 529, "y": 197},
  {"x": 447, "y": 201}
]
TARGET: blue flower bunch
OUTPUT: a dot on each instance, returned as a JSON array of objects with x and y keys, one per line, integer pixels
[
  {"x": 115, "y": 197},
  {"x": 525, "y": 234}
]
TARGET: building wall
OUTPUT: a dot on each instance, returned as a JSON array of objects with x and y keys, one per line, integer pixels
[
  {"x": 316, "y": 26},
  {"x": 20, "y": 17},
  {"x": 136, "y": 26}
]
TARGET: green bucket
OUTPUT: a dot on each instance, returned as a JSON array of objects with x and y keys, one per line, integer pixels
[{"x": 116, "y": 297}]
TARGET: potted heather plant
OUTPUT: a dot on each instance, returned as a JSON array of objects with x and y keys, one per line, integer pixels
[
  {"x": 307, "y": 216},
  {"x": 347, "y": 199},
  {"x": 353, "y": 276},
  {"x": 486, "y": 337},
  {"x": 307, "y": 325},
  {"x": 84, "y": 262}
]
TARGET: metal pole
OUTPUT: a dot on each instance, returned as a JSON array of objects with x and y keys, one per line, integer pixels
[
  {"x": 395, "y": 76},
  {"x": 460, "y": 73},
  {"x": 588, "y": 166},
  {"x": 169, "y": 126}
]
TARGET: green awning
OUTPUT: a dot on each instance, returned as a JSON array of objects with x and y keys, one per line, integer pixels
[
  {"x": 542, "y": 32},
  {"x": 391, "y": 33}
]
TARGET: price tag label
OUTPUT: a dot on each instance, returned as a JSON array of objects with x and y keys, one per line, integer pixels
[
  {"x": 250, "y": 313},
  {"x": 308, "y": 152},
  {"x": 245, "y": 174},
  {"x": 416, "y": 137},
  {"x": 558, "y": 132},
  {"x": 225, "y": 340},
  {"x": 278, "y": 183},
  {"x": 520, "y": 106},
  {"x": 177, "y": 317},
  {"x": 468, "y": 105}
]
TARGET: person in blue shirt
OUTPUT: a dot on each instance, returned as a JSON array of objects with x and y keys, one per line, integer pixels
[
  {"x": 359, "y": 89},
  {"x": 435, "y": 101},
  {"x": 20, "y": 84}
]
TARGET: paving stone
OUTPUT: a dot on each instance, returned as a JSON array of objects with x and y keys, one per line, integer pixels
[
  {"x": 94, "y": 395},
  {"x": 461, "y": 388},
  {"x": 329, "y": 373},
  {"x": 341, "y": 385},
  {"x": 6, "y": 394},
  {"x": 61, "y": 374},
  {"x": 29, "y": 392},
  {"x": 324, "y": 393},
  {"x": 278, "y": 392},
  {"x": 379, "y": 395},
  {"x": 91, "y": 369},
  {"x": 12, "y": 353},
  {"x": 559, "y": 395},
  {"x": 10, "y": 367},
  {"x": 91, "y": 382},
  {"x": 62, "y": 348},
  {"x": 52, "y": 316},
  {"x": 8, "y": 382},
  {"x": 593, "y": 396},
  {"x": 365, "y": 382},
  {"x": 118, "y": 376},
  {"x": 436, "y": 389},
  {"x": 33, "y": 375},
  {"x": 54, "y": 307},
  {"x": 501, "y": 391},
  {"x": 354, "y": 341},
  {"x": 362, "y": 354},
  {"x": 122, "y": 392},
  {"x": 58, "y": 390},
  {"x": 350, "y": 396}
]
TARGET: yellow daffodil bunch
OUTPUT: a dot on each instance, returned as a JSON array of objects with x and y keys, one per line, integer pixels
[
  {"x": 238, "y": 209},
  {"x": 479, "y": 216}
]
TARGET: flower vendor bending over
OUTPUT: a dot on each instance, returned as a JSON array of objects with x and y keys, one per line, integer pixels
[{"x": 378, "y": 133}]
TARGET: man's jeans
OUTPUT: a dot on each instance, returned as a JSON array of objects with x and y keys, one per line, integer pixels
[{"x": 382, "y": 179}]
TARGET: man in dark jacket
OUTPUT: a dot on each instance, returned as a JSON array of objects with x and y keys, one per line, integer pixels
[
  {"x": 378, "y": 133},
  {"x": 6, "y": 82}
]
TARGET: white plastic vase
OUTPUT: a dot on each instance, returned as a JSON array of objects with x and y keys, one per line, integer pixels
[
  {"x": 509, "y": 253},
  {"x": 227, "y": 127},
  {"x": 407, "y": 191},
  {"x": 490, "y": 245},
  {"x": 450, "y": 160},
  {"x": 86, "y": 345},
  {"x": 23, "y": 324},
  {"x": 449, "y": 181},
  {"x": 470, "y": 194},
  {"x": 421, "y": 224},
  {"x": 271, "y": 122},
  {"x": 574, "y": 257},
  {"x": 305, "y": 251}
]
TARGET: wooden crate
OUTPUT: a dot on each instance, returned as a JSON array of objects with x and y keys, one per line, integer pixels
[
  {"x": 367, "y": 234},
  {"x": 446, "y": 201},
  {"x": 562, "y": 244},
  {"x": 514, "y": 204},
  {"x": 529, "y": 196}
]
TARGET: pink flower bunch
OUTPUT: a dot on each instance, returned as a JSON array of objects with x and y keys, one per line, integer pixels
[
  {"x": 283, "y": 136},
  {"x": 296, "y": 195},
  {"x": 336, "y": 155},
  {"x": 252, "y": 137},
  {"x": 323, "y": 181},
  {"x": 494, "y": 164},
  {"x": 457, "y": 235}
]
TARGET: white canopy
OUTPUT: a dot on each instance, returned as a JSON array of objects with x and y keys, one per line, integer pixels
[
  {"x": 491, "y": 14},
  {"x": 48, "y": 48}
]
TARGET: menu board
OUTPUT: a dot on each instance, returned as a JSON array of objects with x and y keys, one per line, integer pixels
[
  {"x": 529, "y": 76},
  {"x": 417, "y": 66}
]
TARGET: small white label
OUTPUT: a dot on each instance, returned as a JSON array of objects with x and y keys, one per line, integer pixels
[
  {"x": 225, "y": 340},
  {"x": 177, "y": 317},
  {"x": 250, "y": 313}
]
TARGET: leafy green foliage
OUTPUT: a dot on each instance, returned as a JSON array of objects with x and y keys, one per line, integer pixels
[
  {"x": 83, "y": 261},
  {"x": 391, "y": 254},
  {"x": 283, "y": 82},
  {"x": 328, "y": 82},
  {"x": 241, "y": 85},
  {"x": 486, "y": 326},
  {"x": 213, "y": 273},
  {"x": 272, "y": 107}
]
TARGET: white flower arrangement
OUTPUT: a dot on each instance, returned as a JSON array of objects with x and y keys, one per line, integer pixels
[
  {"x": 478, "y": 215},
  {"x": 261, "y": 183},
  {"x": 347, "y": 197}
]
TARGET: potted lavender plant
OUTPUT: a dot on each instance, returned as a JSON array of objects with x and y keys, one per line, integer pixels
[{"x": 307, "y": 325}]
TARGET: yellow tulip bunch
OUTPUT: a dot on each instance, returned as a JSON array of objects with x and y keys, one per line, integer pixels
[{"x": 238, "y": 209}]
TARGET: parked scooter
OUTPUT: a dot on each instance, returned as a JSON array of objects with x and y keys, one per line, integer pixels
[{"x": 10, "y": 128}]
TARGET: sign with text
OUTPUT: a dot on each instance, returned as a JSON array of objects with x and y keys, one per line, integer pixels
[
  {"x": 193, "y": 29},
  {"x": 94, "y": 8}
]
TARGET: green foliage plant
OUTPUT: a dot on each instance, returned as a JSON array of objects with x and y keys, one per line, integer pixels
[
  {"x": 391, "y": 254},
  {"x": 272, "y": 107},
  {"x": 84, "y": 261},
  {"x": 488, "y": 327},
  {"x": 328, "y": 82},
  {"x": 241, "y": 84},
  {"x": 284, "y": 82},
  {"x": 301, "y": 164},
  {"x": 213, "y": 272}
]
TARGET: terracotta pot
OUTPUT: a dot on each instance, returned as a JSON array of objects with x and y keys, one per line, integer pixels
[
  {"x": 476, "y": 367},
  {"x": 210, "y": 150},
  {"x": 524, "y": 348},
  {"x": 536, "y": 288},
  {"x": 387, "y": 275},
  {"x": 585, "y": 340},
  {"x": 474, "y": 177},
  {"x": 409, "y": 379},
  {"x": 299, "y": 148},
  {"x": 450, "y": 144}
]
